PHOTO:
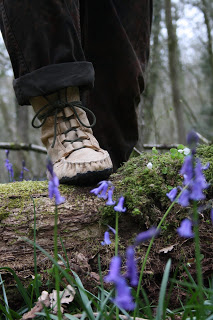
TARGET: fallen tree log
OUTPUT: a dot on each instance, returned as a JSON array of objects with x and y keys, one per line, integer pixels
[{"x": 83, "y": 218}]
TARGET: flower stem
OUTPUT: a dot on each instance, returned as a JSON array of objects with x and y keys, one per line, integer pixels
[
  {"x": 147, "y": 254},
  {"x": 57, "y": 284},
  {"x": 197, "y": 253},
  {"x": 116, "y": 233},
  {"x": 116, "y": 252}
]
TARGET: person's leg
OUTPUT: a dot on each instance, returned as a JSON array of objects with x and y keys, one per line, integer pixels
[
  {"x": 43, "y": 41},
  {"x": 116, "y": 39}
]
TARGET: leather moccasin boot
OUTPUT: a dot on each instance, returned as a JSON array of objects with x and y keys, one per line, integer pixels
[{"x": 66, "y": 132}]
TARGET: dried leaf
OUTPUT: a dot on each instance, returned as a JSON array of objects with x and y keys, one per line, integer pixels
[
  {"x": 167, "y": 249},
  {"x": 31, "y": 314},
  {"x": 95, "y": 276},
  {"x": 66, "y": 296},
  {"x": 44, "y": 299}
]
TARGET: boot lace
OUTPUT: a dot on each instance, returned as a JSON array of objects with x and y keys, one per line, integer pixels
[{"x": 53, "y": 109}]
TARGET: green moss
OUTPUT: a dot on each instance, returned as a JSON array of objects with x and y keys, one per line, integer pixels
[
  {"x": 24, "y": 188},
  {"x": 145, "y": 189}
]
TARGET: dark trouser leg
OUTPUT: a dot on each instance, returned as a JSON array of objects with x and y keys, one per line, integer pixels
[
  {"x": 116, "y": 34},
  {"x": 44, "y": 44}
]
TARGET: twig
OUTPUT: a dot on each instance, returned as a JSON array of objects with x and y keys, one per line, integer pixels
[{"x": 22, "y": 146}]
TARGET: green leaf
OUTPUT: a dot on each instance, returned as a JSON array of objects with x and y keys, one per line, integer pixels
[
  {"x": 173, "y": 151},
  {"x": 163, "y": 291},
  {"x": 154, "y": 150},
  {"x": 85, "y": 300},
  {"x": 181, "y": 146},
  {"x": 69, "y": 316},
  {"x": 20, "y": 287}
]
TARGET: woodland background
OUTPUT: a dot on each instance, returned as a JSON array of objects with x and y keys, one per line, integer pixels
[{"x": 178, "y": 95}]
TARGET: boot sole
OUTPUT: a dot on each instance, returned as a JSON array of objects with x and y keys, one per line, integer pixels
[{"x": 88, "y": 178}]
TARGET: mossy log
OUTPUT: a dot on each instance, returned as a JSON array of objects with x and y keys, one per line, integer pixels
[{"x": 83, "y": 218}]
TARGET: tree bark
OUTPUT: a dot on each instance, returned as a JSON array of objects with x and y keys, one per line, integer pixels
[
  {"x": 153, "y": 74},
  {"x": 204, "y": 9},
  {"x": 83, "y": 219},
  {"x": 174, "y": 72}
]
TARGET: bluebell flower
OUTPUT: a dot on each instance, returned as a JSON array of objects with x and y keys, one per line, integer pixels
[
  {"x": 53, "y": 185},
  {"x": 110, "y": 202},
  {"x": 206, "y": 166},
  {"x": 106, "y": 239},
  {"x": 114, "y": 270},
  {"x": 131, "y": 266},
  {"x": 194, "y": 180},
  {"x": 211, "y": 215},
  {"x": 9, "y": 166},
  {"x": 123, "y": 298},
  {"x": 187, "y": 169},
  {"x": 192, "y": 141},
  {"x": 102, "y": 185},
  {"x": 120, "y": 206},
  {"x": 22, "y": 171},
  {"x": 111, "y": 229},
  {"x": 146, "y": 235},
  {"x": 185, "y": 229},
  {"x": 172, "y": 194},
  {"x": 184, "y": 198},
  {"x": 103, "y": 193}
]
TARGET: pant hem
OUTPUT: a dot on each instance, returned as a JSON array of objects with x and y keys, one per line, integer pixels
[{"x": 52, "y": 78}]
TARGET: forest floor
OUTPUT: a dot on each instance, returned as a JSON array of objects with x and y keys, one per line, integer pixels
[{"x": 145, "y": 198}]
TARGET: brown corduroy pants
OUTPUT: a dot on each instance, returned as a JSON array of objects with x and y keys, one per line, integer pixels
[{"x": 98, "y": 45}]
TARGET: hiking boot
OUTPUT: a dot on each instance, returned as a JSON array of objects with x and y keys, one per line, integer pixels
[{"x": 66, "y": 133}]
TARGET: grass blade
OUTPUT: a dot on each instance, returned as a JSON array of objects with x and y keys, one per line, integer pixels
[
  {"x": 85, "y": 300},
  {"x": 21, "y": 288},
  {"x": 163, "y": 291}
]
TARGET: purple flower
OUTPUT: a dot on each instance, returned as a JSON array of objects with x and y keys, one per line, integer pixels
[
  {"x": 103, "y": 193},
  {"x": 114, "y": 270},
  {"x": 198, "y": 184},
  {"x": 50, "y": 167},
  {"x": 53, "y": 185},
  {"x": 102, "y": 185},
  {"x": 110, "y": 202},
  {"x": 22, "y": 171},
  {"x": 132, "y": 273},
  {"x": 123, "y": 298},
  {"x": 172, "y": 194},
  {"x": 146, "y": 235},
  {"x": 7, "y": 153},
  {"x": 211, "y": 215},
  {"x": 187, "y": 169},
  {"x": 192, "y": 141},
  {"x": 185, "y": 229},
  {"x": 9, "y": 166},
  {"x": 111, "y": 229},
  {"x": 106, "y": 239},
  {"x": 184, "y": 198},
  {"x": 120, "y": 207},
  {"x": 206, "y": 166}
]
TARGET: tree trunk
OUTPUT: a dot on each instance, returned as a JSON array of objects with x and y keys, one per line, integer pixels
[
  {"x": 152, "y": 74},
  {"x": 204, "y": 9},
  {"x": 174, "y": 72},
  {"x": 83, "y": 219}
]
